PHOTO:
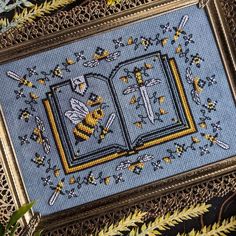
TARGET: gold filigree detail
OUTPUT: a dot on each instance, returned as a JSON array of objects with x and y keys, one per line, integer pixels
[
  {"x": 203, "y": 3},
  {"x": 7, "y": 205}
]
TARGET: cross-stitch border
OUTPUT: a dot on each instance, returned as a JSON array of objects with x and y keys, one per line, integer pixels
[{"x": 164, "y": 187}]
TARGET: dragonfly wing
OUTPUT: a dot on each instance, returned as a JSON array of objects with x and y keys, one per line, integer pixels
[
  {"x": 113, "y": 56},
  {"x": 46, "y": 145},
  {"x": 151, "y": 82},
  {"x": 145, "y": 158},
  {"x": 130, "y": 89},
  {"x": 39, "y": 123},
  {"x": 189, "y": 75},
  {"x": 91, "y": 64},
  {"x": 196, "y": 97},
  {"x": 123, "y": 165}
]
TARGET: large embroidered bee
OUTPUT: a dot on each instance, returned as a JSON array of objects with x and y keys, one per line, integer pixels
[
  {"x": 38, "y": 135},
  {"x": 85, "y": 121}
]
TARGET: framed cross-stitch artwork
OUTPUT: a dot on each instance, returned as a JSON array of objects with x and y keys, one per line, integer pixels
[{"x": 110, "y": 109}]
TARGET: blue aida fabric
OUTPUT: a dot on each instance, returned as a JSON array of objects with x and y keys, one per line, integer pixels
[{"x": 119, "y": 110}]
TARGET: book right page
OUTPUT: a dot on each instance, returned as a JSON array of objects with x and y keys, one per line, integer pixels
[{"x": 151, "y": 100}]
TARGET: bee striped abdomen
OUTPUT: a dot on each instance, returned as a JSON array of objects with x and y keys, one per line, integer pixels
[{"x": 84, "y": 130}]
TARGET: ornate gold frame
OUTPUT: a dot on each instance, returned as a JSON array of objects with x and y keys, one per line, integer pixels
[{"x": 93, "y": 17}]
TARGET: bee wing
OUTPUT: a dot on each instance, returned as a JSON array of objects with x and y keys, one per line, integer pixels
[
  {"x": 39, "y": 123},
  {"x": 145, "y": 158},
  {"x": 79, "y": 107},
  {"x": 92, "y": 63},
  {"x": 196, "y": 97},
  {"x": 46, "y": 145},
  {"x": 113, "y": 56},
  {"x": 131, "y": 89},
  {"x": 74, "y": 116},
  {"x": 189, "y": 75},
  {"x": 151, "y": 82},
  {"x": 123, "y": 165}
]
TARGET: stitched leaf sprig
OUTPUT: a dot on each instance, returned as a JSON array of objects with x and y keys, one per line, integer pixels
[
  {"x": 169, "y": 220},
  {"x": 123, "y": 225},
  {"x": 217, "y": 229}
]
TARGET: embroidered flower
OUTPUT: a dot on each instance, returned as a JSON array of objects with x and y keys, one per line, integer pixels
[
  {"x": 197, "y": 60},
  {"x": 69, "y": 61},
  {"x": 71, "y": 193},
  {"x": 201, "y": 83},
  {"x": 47, "y": 181},
  {"x": 188, "y": 39},
  {"x": 24, "y": 139},
  {"x": 118, "y": 178},
  {"x": 166, "y": 28},
  {"x": 91, "y": 179},
  {"x": 216, "y": 126},
  {"x": 157, "y": 165},
  {"x": 180, "y": 149},
  {"x": 204, "y": 150},
  {"x": 184, "y": 54},
  {"x": 24, "y": 115},
  {"x": 211, "y": 80},
  {"x": 57, "y": 72},
  {"x": 146, "y": 42},
  {"x": 118, "y": 43},
  {"x": 80, "y": 56},
  {"x": 19, "y": 93},
  {"x": 210, "y": 105},
  {"x": 39, "y": 160},
  {"x": 32, "y": 71}
]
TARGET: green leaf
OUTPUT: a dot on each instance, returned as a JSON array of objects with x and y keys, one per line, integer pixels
[
  {"x": 18, "y": 214},
  {"x": 2, "y": 230},
  {"x": 13, "y": 230}
]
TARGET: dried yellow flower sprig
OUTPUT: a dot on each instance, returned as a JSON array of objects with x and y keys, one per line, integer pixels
[
  {"x": 169, "y": 220},
  {"x": 30, "y": 14},
  {"x": 123, "y": 225},
  {"x": 217, "y": 229}
]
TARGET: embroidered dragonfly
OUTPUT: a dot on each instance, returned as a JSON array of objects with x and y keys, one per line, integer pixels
[
  {"x": 136, "y": 166},
  {"x": 39, "y": 136},
  {"x": 142, "y": 85},
  {"x": 101, "y": 54},
  {"x": 198, "y": 85}
]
